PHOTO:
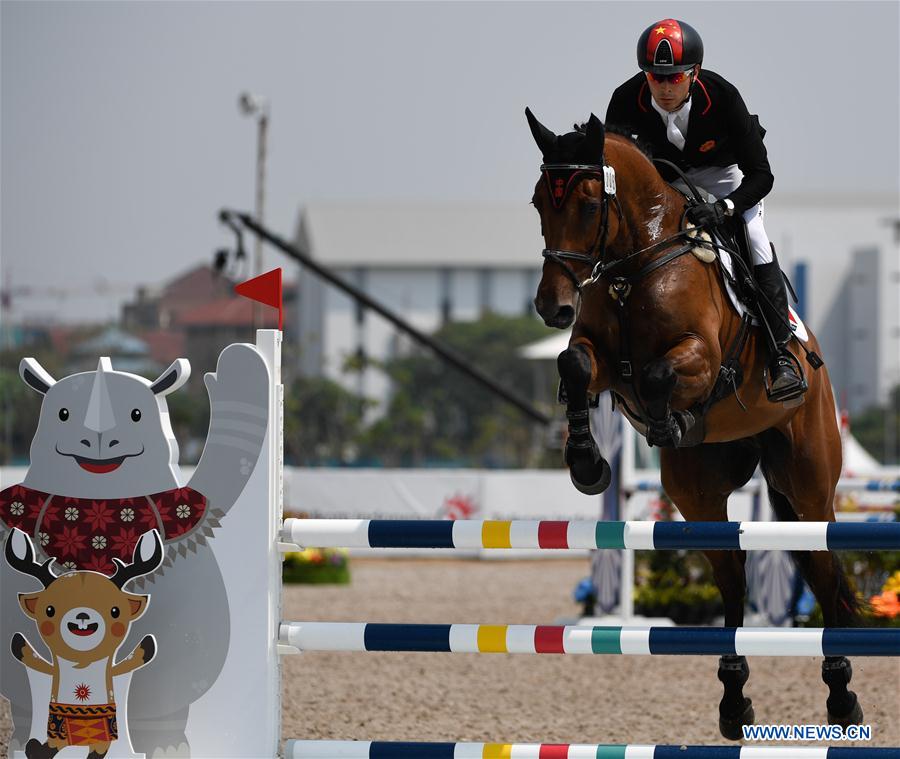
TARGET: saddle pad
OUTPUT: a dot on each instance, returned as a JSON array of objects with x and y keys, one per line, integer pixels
[
  {"x": 704, "y": 254},
  {"x": 797, "y": 325}
]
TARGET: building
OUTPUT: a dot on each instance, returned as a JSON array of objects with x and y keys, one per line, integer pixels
[
  {"x": 195, "y": 315},
  {"x": 432, "y": 263},
  {"x": 429, "y": 263}
]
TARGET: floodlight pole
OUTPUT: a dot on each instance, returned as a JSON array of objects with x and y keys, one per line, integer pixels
[{"x": 258, "y": 106}]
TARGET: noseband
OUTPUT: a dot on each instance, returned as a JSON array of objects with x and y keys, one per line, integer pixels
[{"x": 561, "y": 178}]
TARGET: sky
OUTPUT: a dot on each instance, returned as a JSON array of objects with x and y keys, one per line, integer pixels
[{"x": 120, "y": 135}]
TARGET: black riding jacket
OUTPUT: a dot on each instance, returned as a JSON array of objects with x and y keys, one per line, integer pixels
[{"x": 720, "y": 132}]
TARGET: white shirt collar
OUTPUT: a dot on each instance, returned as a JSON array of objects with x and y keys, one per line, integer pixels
[{"x": 676, "y": 122}]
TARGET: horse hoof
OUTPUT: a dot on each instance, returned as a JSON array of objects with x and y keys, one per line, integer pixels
[
  {"x": 853, "y": 717},
  {"x": 598, "y": 485},
  {"x": 732, "y": 727}
]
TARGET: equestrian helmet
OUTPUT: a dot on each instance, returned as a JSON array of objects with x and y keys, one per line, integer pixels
[{"x": 669, "y": 46}]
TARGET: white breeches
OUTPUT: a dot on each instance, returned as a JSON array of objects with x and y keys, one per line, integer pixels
[{"x": 720, "y": 181}]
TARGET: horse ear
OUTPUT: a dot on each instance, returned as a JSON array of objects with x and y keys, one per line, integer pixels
[
  {"x": 544, "y": 138},
  {"x": 595, "y": 136}
]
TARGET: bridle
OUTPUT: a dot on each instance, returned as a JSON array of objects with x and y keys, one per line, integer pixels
[{"x": 561, "y": 178}]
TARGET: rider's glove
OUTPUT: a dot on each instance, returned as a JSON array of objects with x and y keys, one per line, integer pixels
[{"x": 708, "y": 214}]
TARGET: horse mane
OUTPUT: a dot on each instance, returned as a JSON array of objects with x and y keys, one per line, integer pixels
[{"x": 620, "y": 131}]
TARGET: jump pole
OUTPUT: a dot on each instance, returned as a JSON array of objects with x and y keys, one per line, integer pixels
[
  {"x": 398, "y": 750},
  {"x": 562, "y": 535},
  {"x": 591, "y": 639}
]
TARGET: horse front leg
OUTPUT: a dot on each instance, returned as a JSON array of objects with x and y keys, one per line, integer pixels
[
  {"x": 580, "y": 369},
  {"x": 670, "y": 385}
]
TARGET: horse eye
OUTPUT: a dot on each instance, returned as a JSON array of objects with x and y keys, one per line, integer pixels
[
  {"x": 50, "y": 611},
  {"x": 64, "y": 415},
  {"x": 136, "y": 415},
  {"x": 114, "y": 612}
]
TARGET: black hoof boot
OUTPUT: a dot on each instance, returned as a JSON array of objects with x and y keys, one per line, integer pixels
[
  {"x": 588, "y": 470},
  {"x": 735, "y": 710},
  {"x": 732, "y": 725},
  {"x": 665, "y": 434},
  {"x": 843, "y": 705}
]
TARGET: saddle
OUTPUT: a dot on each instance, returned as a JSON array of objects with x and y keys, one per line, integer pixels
[{"x": 733, "y": 236}]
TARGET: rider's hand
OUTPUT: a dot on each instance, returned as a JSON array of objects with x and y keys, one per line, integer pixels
[{"x": 707, "y": 214}]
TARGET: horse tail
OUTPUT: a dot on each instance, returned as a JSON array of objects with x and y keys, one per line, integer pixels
[{"x": 848, "y": 605}]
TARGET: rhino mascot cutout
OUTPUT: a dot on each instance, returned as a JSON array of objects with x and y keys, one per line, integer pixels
[{"x": 104, "y": 470}]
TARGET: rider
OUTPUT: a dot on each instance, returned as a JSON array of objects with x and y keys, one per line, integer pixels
[{"x": 703, "y": 126}]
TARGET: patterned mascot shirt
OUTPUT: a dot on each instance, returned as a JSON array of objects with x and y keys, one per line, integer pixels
[{"x": 88, "y": 533}]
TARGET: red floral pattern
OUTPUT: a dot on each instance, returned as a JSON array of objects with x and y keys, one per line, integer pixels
[{"x": 86, "y": 533}]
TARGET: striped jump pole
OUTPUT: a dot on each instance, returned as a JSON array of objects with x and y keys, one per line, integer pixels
[
  {"x": 844, "y": 485},
  {"x": 560, "y": 535},
  {"x": 584, "y": 639},
  {"x": 397, "y": 750}
]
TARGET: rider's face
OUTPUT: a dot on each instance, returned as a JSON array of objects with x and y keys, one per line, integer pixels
[{"x": 670, "y": 95}]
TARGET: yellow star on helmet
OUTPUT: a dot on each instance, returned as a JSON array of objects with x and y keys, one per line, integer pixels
[{"x": 660, "y": 30}]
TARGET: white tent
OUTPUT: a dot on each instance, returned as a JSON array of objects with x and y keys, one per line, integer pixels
[{"x": 548, "y": 348}]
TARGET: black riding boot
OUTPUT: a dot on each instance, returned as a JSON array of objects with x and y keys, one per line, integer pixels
[{"x": 785, "y": 377}]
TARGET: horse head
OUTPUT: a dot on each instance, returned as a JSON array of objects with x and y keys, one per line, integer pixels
[{"x": 572, "y": 198}]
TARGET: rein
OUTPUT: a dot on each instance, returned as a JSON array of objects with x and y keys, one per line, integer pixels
[{"x": 621, "y": 283}]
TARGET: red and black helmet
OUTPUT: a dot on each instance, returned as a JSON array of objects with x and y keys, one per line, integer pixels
[{"x": 669, "y": 46}]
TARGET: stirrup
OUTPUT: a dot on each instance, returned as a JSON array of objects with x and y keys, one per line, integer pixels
[{"x": 792, "y": 391}]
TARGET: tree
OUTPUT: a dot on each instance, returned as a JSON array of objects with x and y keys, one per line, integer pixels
[
  {"x": 20, "y": 406},
  {"x": 322, "y": 422},
  {"x": 878, "y": 429},
  {"x": 438, "y": 415}
]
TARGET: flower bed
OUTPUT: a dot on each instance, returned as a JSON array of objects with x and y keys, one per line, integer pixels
[{"x": 322, "y": 566}]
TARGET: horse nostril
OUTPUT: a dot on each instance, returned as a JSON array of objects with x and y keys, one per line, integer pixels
[
  {"x": 565, "y": 315},
  {"x": 113, "y": 443},
  {"x": 86, "y": 443}
]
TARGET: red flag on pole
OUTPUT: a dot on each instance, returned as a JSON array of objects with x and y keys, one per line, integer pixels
[{"x": 266, "y": 288}]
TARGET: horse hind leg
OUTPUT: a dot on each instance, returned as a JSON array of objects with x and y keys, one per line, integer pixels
[
  {"x": 735, "y": 709},
  {"x": 589, "y": 471},
  {"x": 699, "y": 481},
  {"x": 824, "y": 573}
]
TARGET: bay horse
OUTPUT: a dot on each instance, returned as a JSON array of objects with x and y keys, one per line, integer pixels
[{"x": 653, "y": 323}]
